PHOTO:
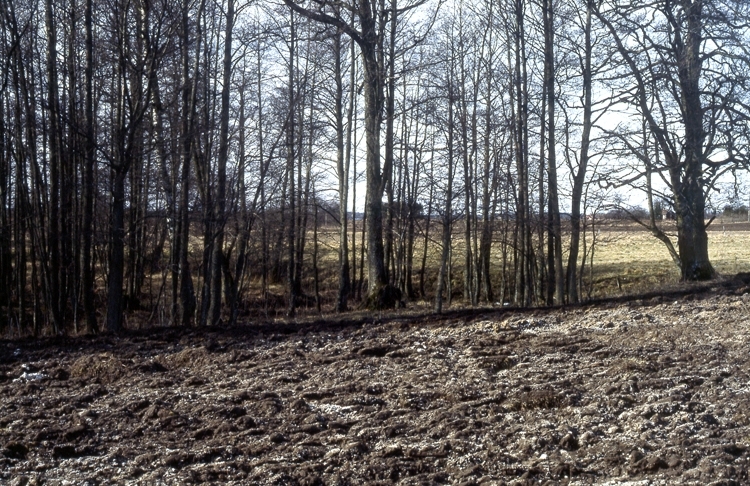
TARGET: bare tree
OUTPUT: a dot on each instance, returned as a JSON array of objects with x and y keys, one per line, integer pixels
[
  {"x": 372, "y": 18},
  {"x": 680, "y": 54}
]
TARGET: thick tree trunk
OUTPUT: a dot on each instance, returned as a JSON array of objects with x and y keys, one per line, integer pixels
[
  {"x": 692, "y": 239},
  {"x": 116, "y": 253},
  {"x": 685, "y": 166},
  {"x": 377, "y": 277}
]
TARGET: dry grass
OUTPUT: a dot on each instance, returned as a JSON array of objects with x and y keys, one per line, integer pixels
[{"x": 628, "y": 260}]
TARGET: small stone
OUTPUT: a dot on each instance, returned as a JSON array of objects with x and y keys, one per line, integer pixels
[
  {"x": 587, "y": 438},
  {"x": 635, "y": 456},
  {"x": 20, "y": 481},
  {"x": 393, "y": 451},
  {"x": 203, "y": 433},
  {"x": 332, "y": 453},
  {"x": 277, "y": 438},
  {"x": 569, "y": 442},
  {"x": 654, "y": 463},
  {"x": 311, "y": 429}
]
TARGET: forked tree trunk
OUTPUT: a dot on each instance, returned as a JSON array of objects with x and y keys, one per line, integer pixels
[{"x": 371, "y": 19}]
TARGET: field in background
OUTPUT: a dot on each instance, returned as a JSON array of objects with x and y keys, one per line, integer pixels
[{"x": 629, "y": 260}]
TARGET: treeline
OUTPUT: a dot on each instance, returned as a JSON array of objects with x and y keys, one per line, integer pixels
[{"x": 174, "y": 157}]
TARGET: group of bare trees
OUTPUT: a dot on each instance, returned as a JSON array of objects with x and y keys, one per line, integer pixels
[{"x": 175, "y": 161}]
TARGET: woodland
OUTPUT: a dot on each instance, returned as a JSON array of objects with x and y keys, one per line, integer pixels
[{"x": 191, "y": 162}]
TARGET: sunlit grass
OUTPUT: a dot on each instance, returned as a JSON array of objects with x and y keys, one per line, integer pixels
[
  {"x": 628, "y": 260},
  {"x": 633, "y": 261}
]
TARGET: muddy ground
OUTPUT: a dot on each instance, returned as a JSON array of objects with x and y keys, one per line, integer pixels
[{"x": 650, "y": 391}]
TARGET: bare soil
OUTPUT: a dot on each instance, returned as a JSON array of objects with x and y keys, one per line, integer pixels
[{"x": 648, "y": 391}]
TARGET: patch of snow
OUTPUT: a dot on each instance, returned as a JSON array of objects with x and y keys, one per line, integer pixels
[{"x": 26, "y": 377}]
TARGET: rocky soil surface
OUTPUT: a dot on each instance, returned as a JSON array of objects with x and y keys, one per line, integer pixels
[{"x": 652, "y": 391}]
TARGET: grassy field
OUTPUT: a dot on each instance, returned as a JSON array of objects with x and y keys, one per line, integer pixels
[{"x": 629, "y": 260}]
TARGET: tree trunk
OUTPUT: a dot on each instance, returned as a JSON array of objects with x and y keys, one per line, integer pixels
[
  {"x": 692, "y": 239},
  {"x": 580, "y": 176},
  {"x": 55, "y": 163},
  {"x": 189, "y": 96},
  {"x": 685, "y": 166},
  {"x": 88, "y": 179},
  {"x": 390, "y": 116},
  {"x": 217, "y": 257},
  {"x": 372, "y": 20},
  {"x": 351, "y": 140},
  {"x": 116, "y": 252},
  {"x": 444, "y": 273},
  {"x": 428, "y": 221},
  {"x": 377, "y": 277},
  {"x": 342, "y": 167},
  {"x": 290, "y": 159},
  {"x": 554, "y": 208}
]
